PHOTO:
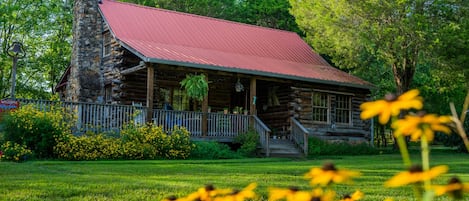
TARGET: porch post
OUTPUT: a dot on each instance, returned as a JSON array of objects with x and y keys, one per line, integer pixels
[
  {"x": 252, "y": 98},
  {"x": 205, "y": 112},
  {"x": 150, "y": 91}
]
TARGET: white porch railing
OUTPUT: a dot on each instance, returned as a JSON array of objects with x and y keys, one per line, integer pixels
[
  {"x": 218, "y": 125},
  {"x": 93, "y": 116},
  {"x": 264, "y": 134},
  {"x": 299, "y": 135},
  {"x": 226, "y": 125},
  {"x": 192, "y": 121}
]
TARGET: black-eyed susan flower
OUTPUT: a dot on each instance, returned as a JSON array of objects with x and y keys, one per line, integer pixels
[
  {"x": 321, "y": 195},
  {"x": 421, "y": 124},
  {"x": 391, "y": 106},
  {"x": 357, "y": 195},
  {"x": 454, "y": 189},
  {"x": 206, "y": 194},
  {"x": 293, "y": 194},
  {"x": 414, "y": 175},
  {"x": 329, "y": 174},
  {"x": 246, "y": 193}
]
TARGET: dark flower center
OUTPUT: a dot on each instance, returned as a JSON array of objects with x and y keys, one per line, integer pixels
[
  {"x": 454, "y": 180},
  {"x": 390, "y": 97},
  {"x": 415, "y": 169},
  {"x": 421, "y": 113},
  {"x": 315, "y": 199},
  {"x": 347, "y": 196},
  {"x": 328, "y": 166},
  {"x": 209, "y": 187},
  {"x": 172, "y": 197},
  {"x": 294, "y": 188},
  {"x": 235, "y": 192}
]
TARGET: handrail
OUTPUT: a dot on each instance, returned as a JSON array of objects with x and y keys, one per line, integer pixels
[
  {"x": 299, "y": 135},
  {"x": 264, "y": 134}
]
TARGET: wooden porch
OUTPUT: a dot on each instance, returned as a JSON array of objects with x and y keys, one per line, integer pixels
[{"x": 103, "y": 118}]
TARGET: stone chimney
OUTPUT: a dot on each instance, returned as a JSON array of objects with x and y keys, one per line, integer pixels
[{"x": 86, "y": 79}]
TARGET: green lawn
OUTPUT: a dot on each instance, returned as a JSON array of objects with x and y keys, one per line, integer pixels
[{"x": 154, "y": 180}]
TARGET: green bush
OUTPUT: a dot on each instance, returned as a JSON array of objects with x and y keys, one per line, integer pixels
[
  {"x": 135, "y": 143},
  {"x": 38, "y": 130},
  {"x": 88, "y": 147},
  {"x": 212, "y": 150},
  {"x": 248, "y": 141},
  {"x": 318, "y": 146},
  {"x": 11, "y": 151}
]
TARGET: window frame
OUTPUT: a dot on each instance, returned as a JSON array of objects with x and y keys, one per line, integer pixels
[
  {"x": 107, "y": 43},
  {"x": 327, "y": 108},
  {"x": 340, "y": 110}
]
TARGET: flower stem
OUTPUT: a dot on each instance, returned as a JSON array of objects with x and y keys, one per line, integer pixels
[
  {"x": 404, "y": 152},
  {"x": 425, "y": 160}
]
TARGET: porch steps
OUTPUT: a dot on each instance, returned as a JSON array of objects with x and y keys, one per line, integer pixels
[{"x": 283, "y": 148}]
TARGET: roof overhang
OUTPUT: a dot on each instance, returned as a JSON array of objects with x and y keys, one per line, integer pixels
[{"x": 237, "y": 70}]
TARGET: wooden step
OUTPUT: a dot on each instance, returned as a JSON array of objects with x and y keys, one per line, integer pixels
[{"x": 283, "y": 148}]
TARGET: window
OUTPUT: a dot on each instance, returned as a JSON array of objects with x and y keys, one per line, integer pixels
[
  {"x": 106, "y": 44},
  {"x": 108, "y": 93},
  {"x": 343, "y": 109},
  {"x": 320, "y": 104},
  {"x": 176, "y": 97}
]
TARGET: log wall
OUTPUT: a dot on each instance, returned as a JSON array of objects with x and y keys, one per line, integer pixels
[{"x": 301, "y": 108}]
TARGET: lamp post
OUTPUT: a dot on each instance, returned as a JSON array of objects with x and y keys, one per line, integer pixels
[{"x": 15, "y": 51}]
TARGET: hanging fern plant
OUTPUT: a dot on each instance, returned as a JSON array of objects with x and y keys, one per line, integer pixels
[{"x": 196, "y": 86}]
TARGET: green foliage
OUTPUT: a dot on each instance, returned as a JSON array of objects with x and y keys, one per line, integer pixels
[
  {"x": 400, "y": 35},
  {"x": 37, "y": 130},
  {"x": 88, "y": 147},
  {"x": 267, "y": 13},
  {"x": 212, "y": 150},
  {"x": 11, "y": 151},
  {"x": 143, "y": 142},
  {"x": 248, "y": 141},
  {"x": 44, "y": 28},
  {"x": 318, "y": 147},
  {"x": 196, "y": 86}
]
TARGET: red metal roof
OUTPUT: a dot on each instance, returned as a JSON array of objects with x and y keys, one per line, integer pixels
[{"x": 163, "y": 36}]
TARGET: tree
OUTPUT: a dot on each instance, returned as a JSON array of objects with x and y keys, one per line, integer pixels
[
  {"x": 267, "y": 13},
  {"x": 45, "y": 30},
  {"x": 403, "y": 35}
]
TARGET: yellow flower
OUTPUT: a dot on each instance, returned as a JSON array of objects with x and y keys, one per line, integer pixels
[
  {"x": 357, "y": 195},
  {"x": 246, "y": 193},
  {"x": 329, "y": 174},
  {"x": 455, "y": 188},
  {"x": 206, "y": 193},
  {"x": 415, "y": 174},
  {"x": 293, "y": 194},
  {"x": 391, "y": 106},
  {"x": 422, "y": 124}
]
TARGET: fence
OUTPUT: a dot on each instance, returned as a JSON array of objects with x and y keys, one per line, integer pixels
[
  {"x": 93, "y": 116},
  {"x": 218, "y": 125}
]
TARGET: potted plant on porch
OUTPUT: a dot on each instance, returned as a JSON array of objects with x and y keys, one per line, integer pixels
[{"x": 196, "y": 86}]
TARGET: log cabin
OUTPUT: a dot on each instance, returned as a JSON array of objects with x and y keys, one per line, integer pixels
[{"x": 128, "y": 54}]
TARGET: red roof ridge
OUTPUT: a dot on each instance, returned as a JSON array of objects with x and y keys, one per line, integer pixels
[{"x": 200, "y": 16}]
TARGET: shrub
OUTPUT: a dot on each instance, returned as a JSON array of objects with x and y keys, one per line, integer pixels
[
  {"x": 145, "y": 142},
  {"x": 212, "y": 150},
  {"x": 248, "y": 141},
  {"x": 88, "y": 147},
  {"x": 179, "y": 144},
  {"x": 318, "y": 146},
  {"x": 11, "y": 151},
  {"x": 38, "y": 130}
]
